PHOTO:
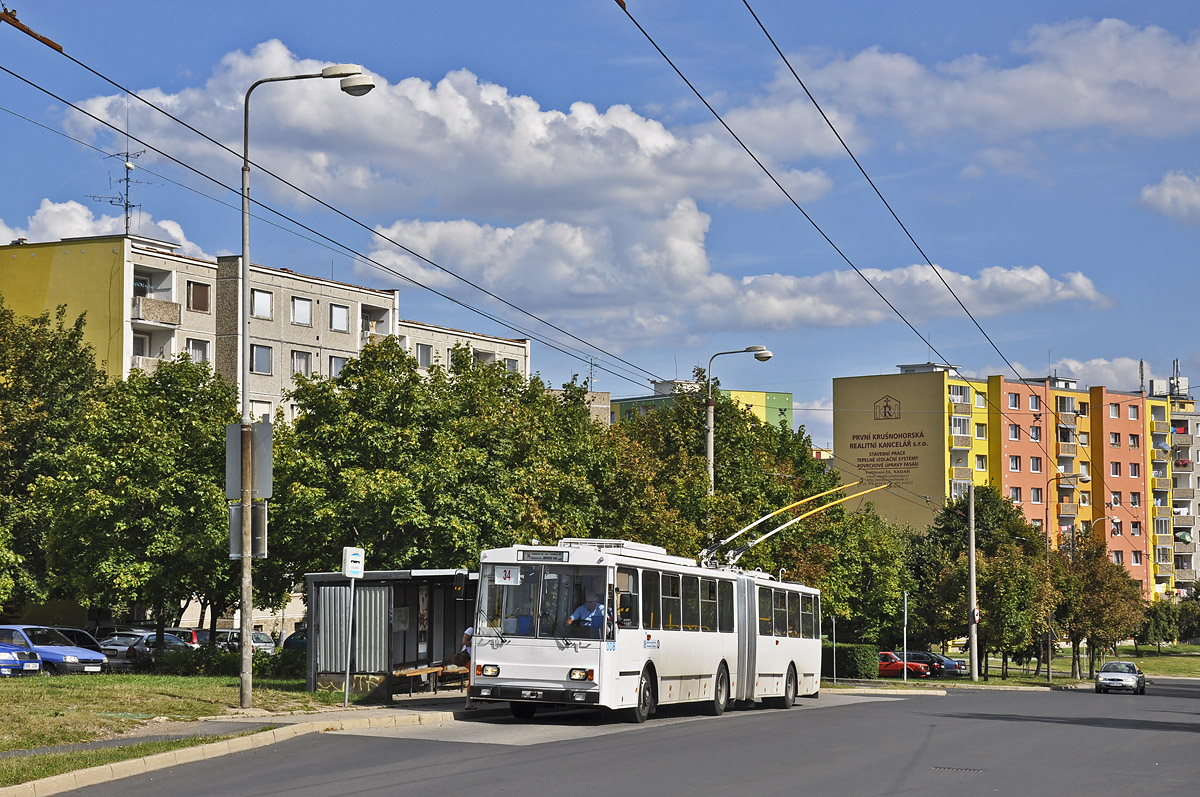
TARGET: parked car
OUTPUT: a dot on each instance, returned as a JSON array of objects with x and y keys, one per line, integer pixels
[
  {"x": 953, "y": 666},
  {"x": 936, "y": 666},
  {"x": 105, "y": 631},
  {"x": 137, "y": 650},
  {"x": 1122, "y": 676},
  {"x": 231, "y": 639},
  {"x": 59, "y": 656},
  {"x": 891, "y": 665},
  {"x": 192, "y": 637},
  {"x": 79, "y": 637},
  {"x": 297, "y": 641},
  {"x": 18, "y": 661}
]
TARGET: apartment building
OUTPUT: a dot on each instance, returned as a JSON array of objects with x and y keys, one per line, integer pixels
[
  {"x": 766, "y": 406},
  {"x": 1185, "y": 424},
  {"x": 145, "y": 303},
  {"x": 1076, "y": 461}
]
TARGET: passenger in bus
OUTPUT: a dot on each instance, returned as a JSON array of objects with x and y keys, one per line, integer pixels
[{"x": 590, "y": 616}]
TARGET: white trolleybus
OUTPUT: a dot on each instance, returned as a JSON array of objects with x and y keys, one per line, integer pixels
[{"x": 621, "y": 625}]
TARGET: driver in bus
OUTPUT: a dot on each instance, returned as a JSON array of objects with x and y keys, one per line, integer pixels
[{"x": 590, "y": 615}]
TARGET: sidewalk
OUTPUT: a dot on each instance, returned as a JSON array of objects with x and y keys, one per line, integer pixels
[{"x": 421, "y": 709}]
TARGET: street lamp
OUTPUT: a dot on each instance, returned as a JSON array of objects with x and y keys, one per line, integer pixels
[
  {"x": 356, "y": 84},
  {"x": 1080, "y": 479},
  {"x": 762, "y": 355}
]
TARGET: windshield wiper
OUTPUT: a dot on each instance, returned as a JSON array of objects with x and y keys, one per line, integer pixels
[{"x": 487, "y": 624}]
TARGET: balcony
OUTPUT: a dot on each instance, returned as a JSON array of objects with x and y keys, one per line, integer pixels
[
  {"x": 1183, "y": 520},
  {"x": 1158, "y": 455},
  {"x": 960, "y": 441},
  {"x": 367, "y": 337},
  {"x": 1160, "y": 427},
  {"x": 146, "y": 364},
  {"x": 1164, "y": 540},
  {"x": 1066, "y": 419},
  {"x": 1183, "y": 466},
  {"x": 959, "y": 408},
  {"x": 1185, "y": 574},
  {"x": 1164, "y": 568},
  {"x": 1067, "y": 510},
  {"x": 1181, "y": 439},
  {"x": 155, "y": 310},
  {"x": 960, "y": 474},
  {"x": 1066, "y": 449},
  {"x": 1181, "y": 493},
  {"x": 1161, "y": 511}
]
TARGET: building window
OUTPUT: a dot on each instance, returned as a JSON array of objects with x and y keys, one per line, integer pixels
[
  {"x": 1083, "y": 408},
  {"x": 958, "y": 394},
  {"x": 302, "y": 311},
  {"x": 1114, "y": 468},
  {"x": 980, "y": 462},
  {"x": 198, "y": 350},
  {"x": 339, "y": 318},
  {"x": 1133, "y": 412},
  {"x": 1014, "y": 401},
  {"x": 1135, "y": 557},
  {"x": 260, "y": 303},
  {"x": 260, "y": 410},
  {"x": 1135, "y": 441},
  {"x": 1014, "y": 464},
  {"x": 1135, "y": 528},
  {"x": 980, "y": 400},
  {"x": 960, "y": 425},
  {"x": 1118, "y": 557},
  {"x": 510, "y": 364},
  {"x": 1116, "y": 499},
  {"x": 1035, "y": 464},
  {"x": 1114, "y": 410},
  {"x": 1135, "y": 499},
  {"x": 1035, "y": 403},
  {"x": 1014, "y": 494},
  {"x": 1135, "y": 470},
  {"x": 1084, "y": 437},
  {"x": 1035, "y": 433},
  {"x": 1014, "y": 432},
  {"x": 336, "y": 364},
  {"x": 981, "y": 431},
  {"x": 301, "y": 363},
  {"x": 141, "y": 345},
  {"x": 1183, "y": 561},
  {"x": 1035, "y": 495},
  {"x": 1085, "y": 469},
  {"x": 1116, "y": 527},
  {"x": 424, "y": 355},
  {"x": 1114, "y": 439},
  {"x": 1085, "y": 498},
  {"x": 260, "y": 359},
  {"x": 199, "y": 297}
]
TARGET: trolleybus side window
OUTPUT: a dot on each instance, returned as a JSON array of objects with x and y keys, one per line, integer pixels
[
  {"x": 764, "y": 611},
  {"x": 651, "y": 610},
  {"x": 627, "y": 597},
  {"x": 793, "y": 614},
  {"x": 725, "y": 606},
  {"x": 780, "y": 613},
  {"x": 670, "y": 602},
  {"x": 708, "y": 604},
  {"x": 808, "y": 616},
  {"x": 691, "y": 603}
]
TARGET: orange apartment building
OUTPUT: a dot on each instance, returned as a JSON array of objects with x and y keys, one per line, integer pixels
[{"x": 1075, "y": 460}]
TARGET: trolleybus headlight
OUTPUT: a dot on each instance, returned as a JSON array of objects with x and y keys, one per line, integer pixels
[
  {"x": 580, "y": 674},
  {"x": 488, "y": 670}
]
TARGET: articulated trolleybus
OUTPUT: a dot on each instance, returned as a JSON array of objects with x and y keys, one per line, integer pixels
[{"x": 621, "y": 625}]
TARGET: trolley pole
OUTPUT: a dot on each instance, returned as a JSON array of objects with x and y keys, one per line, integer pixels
[{"x": 973, "y": 612}]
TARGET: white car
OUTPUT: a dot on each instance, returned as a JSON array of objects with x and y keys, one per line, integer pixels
[{"x": 1122, "y": 676}]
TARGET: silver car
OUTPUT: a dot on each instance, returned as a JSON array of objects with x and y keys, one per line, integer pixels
[
  {"x": 1122, "y": 676},
  {"x": 231, "y": 639},
  {"x": 137, "y": 650}
]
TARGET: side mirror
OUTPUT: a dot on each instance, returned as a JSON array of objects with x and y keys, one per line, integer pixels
[{"x": 625, "y": 609}]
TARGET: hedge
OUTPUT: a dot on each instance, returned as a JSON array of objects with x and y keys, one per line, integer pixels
[{"x": 853, "y": 660}]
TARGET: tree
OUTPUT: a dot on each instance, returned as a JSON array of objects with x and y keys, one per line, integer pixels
[
  {"x": 1160, "y": 624},
  {"x": 1012, "y": 599},
  {"x": 47, "y": 378},
  {"x": 137, "y": 502}
]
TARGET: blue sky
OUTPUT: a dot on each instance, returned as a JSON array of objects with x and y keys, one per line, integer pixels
[{"x": 1044, "y": 156}]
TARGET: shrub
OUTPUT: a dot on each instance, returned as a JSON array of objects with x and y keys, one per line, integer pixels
[{"x": 853, "y": 661}]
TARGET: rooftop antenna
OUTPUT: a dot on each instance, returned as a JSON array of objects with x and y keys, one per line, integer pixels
[
  {"x": 122, "y": 200},
  {"x": 1142, "y": 377}
]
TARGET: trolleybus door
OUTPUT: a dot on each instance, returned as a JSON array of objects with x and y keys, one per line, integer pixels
[{"x": 625, "y": 653}]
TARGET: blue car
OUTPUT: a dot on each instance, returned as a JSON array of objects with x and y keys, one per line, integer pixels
[
  {"x": 59, "y": 655},
  {"x": 18, "y": 661}
]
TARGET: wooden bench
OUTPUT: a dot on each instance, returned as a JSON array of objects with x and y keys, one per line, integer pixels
[
  {"x": 412, "y": 673},
  {"x": 461, "y": 674}
]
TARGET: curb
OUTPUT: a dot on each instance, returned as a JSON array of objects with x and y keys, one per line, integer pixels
[
  {"x": 880, "y": 692},
  {"x": 105, "y": 773}
]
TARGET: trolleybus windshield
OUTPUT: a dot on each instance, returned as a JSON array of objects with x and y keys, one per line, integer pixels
[{"x": 538, "y": 600}]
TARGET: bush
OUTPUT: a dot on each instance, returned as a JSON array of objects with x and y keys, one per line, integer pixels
[
  {"x": 207, "y": 660},
  {"x": 853, "y": 661}
]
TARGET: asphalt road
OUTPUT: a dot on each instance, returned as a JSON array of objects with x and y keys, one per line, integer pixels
[{"x": 968, "y": 742}]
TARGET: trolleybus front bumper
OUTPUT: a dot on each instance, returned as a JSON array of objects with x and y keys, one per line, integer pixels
[{"x": 575, "y": 697}]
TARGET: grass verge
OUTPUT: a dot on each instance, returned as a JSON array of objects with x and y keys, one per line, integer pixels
[{"x": 22, "y": 769}]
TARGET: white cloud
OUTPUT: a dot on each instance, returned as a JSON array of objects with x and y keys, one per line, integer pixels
[
  {"x": 816, "y": 416},
  {"x": 55, "y": 220},
  {"x": 1119, "y": 373},
  {"x": 1176, "y": 196}
]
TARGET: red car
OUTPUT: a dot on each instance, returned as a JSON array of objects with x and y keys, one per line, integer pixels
[{"x": 892, "y": 666}]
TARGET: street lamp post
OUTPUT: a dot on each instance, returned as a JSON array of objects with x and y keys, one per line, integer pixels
[
  {"x": 1080, "y": 479},
  {"x": 761, "y": 354},
  {"x": 356, "y": 84}
]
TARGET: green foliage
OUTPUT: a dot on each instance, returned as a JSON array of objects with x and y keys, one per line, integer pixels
[
  {"x": 1160, "y": 624},
  {"x": 47, "y": 378},
  {"x": 853, "y": 661},
  {"x": 1012, "y": 599},
  {"x": 1189, "y": 618},
  {"x": 136, "y": 504},
  {"x": 213, "y": 661}
]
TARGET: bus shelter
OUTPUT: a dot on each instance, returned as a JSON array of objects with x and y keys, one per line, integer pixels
[{"x": 407, "y": 625}]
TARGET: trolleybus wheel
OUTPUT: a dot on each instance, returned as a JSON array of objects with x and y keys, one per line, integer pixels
[
  {"x": 523, "y": 711},
  {"x": 645, "y": 699},
  {"x": 789, "y": 690},
  {"x": 720, "y": 700}
]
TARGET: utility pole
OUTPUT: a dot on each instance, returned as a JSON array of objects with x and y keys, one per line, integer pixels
[{"x": 973, "y": 611}]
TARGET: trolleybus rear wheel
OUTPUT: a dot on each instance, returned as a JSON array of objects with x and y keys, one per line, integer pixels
[
  {"x": 789, "y": 690},
  {"x": 523, "y": 711},
  {"x": 645, "y": 698},
  {"x": 720, "y": 700}
]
